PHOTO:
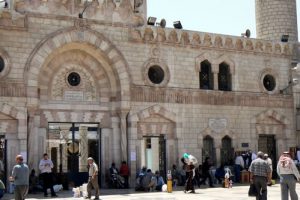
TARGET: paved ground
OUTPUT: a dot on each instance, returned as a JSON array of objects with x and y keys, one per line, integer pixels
[{"x": 218, "y": 193}]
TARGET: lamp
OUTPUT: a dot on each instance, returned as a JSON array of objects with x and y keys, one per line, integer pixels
[
  {"x": 87, "y": 3},
  {"x": 285, "y": 38},
  {"x": 292, "y": 83},
  {"x": 177, "y": 25},
  {"x": 151, "y": 21}
]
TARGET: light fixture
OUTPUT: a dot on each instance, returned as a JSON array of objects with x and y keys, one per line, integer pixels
[
  {"x": 177, "y": 25},
  {"x": 86, "y": 4},
  {"x": 151, "y": 21},
  {"x": 285, "y": 38}
]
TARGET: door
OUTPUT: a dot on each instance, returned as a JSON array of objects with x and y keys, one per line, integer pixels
[
  {"x": 70, "y": 144},
  {"x": 154, "y": 156},
  {"x": 267, "y": 144},
  {"x": 227, "y": 151},
  {"x": 208, "y": 149}
]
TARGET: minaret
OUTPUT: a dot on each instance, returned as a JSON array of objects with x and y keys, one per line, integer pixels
[{"x": 275, "y": 18}]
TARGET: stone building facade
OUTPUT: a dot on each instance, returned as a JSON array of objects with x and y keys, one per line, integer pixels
[{"x": 110, "y": 86}]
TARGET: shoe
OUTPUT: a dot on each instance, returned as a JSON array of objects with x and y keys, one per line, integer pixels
[
  {"x": 54, "y": 195},
  {"x": 45, "y": 195},
  {"x": 96, "y": 198},
  {"x": 87, "y": 197}
]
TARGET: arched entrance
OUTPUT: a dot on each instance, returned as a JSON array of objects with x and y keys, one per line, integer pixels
[
  {"x": 271, "y": 132},
  {"x": 78, "y": 80}
]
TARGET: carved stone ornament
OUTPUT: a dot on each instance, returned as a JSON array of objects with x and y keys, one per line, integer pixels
[
  {"x": 207, "y": 40},
  {"x": 218, "y": 41},
  {"x": 249, "y": 45},
  {"x": 161, "y": 35},
  {"x": 196, "y": 39},
  {"x": 259, "y": 46},
  {"x": 217, "y": 125},
  {"x": 239, "y": 44},
  {"x": 173, "y": 38},
  {"x": 228, "y": 43},
  {"x": 185, "y": 40},
  {"x": 81, "y": 24}
]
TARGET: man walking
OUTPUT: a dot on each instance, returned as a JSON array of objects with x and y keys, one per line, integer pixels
[
  {"x": 20, "y": 175},
  {"x": 46, "y": 166},
  {"x": 260, "y": 175},
  {"x": 93, "y": 179}
]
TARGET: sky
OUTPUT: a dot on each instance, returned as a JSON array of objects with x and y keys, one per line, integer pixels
[{"x": 229, "y": 17}]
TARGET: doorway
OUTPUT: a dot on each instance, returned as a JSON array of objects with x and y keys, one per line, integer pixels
[
  {"x": 208, "y": 149},
  {"x": 267, "y": 144},
  {"x": 227, "y": 152},
  {"x": 70, "y": 144},
  {"x": 154, "y": 154}
]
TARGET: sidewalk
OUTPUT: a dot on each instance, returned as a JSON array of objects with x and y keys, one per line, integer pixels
[{"x": 236, "y": 193}]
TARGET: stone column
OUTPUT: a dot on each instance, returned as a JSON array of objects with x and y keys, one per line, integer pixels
[
  {"x": 123, "y": 132},
  {"x": 215, "y": 71},
  {"x": 64, "y": 133},
  {"x": 83, "y": 148}
]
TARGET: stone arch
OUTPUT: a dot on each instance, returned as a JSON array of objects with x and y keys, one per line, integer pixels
[
  {"x": 228, "y": 61},
  {"x": 205, "y": 56},
  {"x": 281, "y": 119},
  {"x": 166, "y": 125},
  {"x": 17, "y": 114},
  {"x": 112, "y": 58}
]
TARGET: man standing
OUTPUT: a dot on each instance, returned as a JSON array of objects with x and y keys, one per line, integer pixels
[
  {"x": 260, "y": 175},
  {"x": 46, "y": 166},
  {"x": 20, "y": 175},
  {"x": 93, "y": 179}
]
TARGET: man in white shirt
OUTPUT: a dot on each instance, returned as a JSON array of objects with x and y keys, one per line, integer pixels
[
  {"x": 46, "y": 166},
  {"x": 238, "y": 167}
]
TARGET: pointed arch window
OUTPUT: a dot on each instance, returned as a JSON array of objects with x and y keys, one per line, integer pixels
[
  {"x": 224, "y": 77},
  {"x": 208, "y": 148},
  {"x": 206, "y": 76},
  {"x": 227, "y": 151}
]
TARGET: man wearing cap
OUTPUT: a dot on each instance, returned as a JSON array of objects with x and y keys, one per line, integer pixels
[
  {"x": 260, "y": 175},
  {"x": 20, "y": 176},
  {"x": 93, "y": 179}
]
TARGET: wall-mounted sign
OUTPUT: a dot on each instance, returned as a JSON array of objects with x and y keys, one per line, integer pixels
[
  {"x": 217, "y": 125},
  {"x": 245, "y": 145},
  {"x": 73, "y": 95}
]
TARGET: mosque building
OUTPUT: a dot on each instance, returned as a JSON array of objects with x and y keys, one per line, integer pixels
[{"x": 99, "y": 78}]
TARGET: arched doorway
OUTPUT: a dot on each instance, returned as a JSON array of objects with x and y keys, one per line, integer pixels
[
  {"x": 227, "y": 152},
  {"x": 209, "y": 149}
]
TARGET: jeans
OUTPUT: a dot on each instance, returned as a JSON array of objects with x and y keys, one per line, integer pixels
[{"x": 288, "y": 184}]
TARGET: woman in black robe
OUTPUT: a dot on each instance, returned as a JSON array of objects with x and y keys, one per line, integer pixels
[{"x": 189, "y": 185}]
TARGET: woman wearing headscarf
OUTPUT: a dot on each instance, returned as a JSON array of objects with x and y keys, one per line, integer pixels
[
  {"x": 289, "y": 175},
  {"x": 190, "y": 173}
]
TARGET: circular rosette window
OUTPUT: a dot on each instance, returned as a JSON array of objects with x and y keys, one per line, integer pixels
[
  {"x": 2, "y": 64},
  {"x": 74, "y": 79},
  {"x": 156, "y": 74},
  {"x": 269, "y": 82}
]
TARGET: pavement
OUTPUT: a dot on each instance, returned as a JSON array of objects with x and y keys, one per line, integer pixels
[{"x": 238, "y": 192}]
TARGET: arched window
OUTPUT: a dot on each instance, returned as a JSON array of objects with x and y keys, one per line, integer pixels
[
  {"x": 224, "y": 77},
  {"x": 208, "y": 148},
  {"x": 206, "y": 76},
  {"x": 227, "y": 151}
]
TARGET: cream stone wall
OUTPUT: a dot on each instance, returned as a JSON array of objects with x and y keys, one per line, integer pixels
[{"x": 113, "y": 59}]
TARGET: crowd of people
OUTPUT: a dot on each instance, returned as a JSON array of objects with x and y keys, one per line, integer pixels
[{"x": 188, "y": 175}]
